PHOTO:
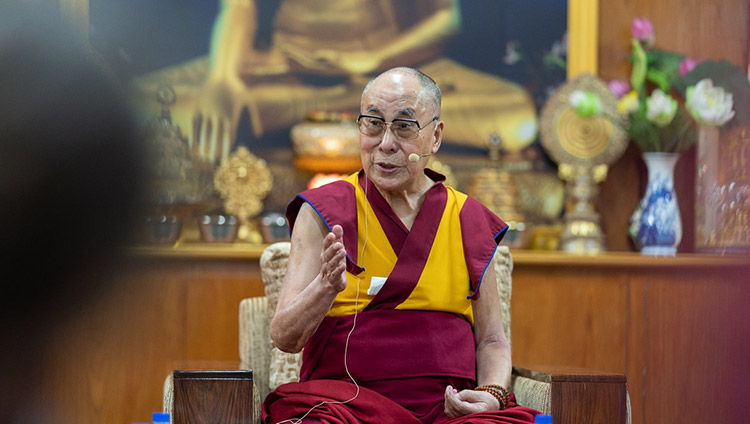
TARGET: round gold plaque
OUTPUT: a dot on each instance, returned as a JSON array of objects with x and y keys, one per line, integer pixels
[{"x": 583, "y": 141}]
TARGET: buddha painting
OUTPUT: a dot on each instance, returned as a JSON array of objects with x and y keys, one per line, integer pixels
[{"x": 319, "y": 56}]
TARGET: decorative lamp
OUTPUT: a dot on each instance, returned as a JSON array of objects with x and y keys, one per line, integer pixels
[{"x": 327, "y": 142}]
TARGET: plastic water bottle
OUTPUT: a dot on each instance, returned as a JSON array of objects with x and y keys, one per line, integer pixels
[
  {"x": 543, "y": 419},
  {"x": 160, "y": 418}
]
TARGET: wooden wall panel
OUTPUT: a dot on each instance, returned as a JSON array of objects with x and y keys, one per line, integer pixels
[
  {"x": 697, "y": 350},
  {"x": 212, "y": 326},
  {"x": 679, "y": 328},
  {"x": 567, "y": 318},
  {"x": 108, "y": 363},
  {"x": 716, "y": 29}
]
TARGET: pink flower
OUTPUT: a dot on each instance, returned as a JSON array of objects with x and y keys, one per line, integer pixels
[
  {"x": 619, "y": 87},
  {"x": 643, "y": 30},
  {"x": 688, "y": 64}
]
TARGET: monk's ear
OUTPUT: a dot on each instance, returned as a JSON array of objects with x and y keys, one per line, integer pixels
[{"x": 438, "y": 137}]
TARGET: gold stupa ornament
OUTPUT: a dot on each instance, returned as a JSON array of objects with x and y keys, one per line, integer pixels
[
  {"x": 495, "y": 187},
  {"x": 583, "y": 147},
  {"x": 177, "y": 177},
  {"x": 243, "y": 180}
]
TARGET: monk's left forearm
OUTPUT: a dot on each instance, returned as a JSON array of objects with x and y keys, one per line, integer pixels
[{"x": 494, "y": 364}]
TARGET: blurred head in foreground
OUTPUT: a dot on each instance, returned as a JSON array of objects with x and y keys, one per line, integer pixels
[{"x": 70, "y": 182}]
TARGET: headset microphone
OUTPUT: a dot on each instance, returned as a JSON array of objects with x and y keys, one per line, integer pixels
[{"x": 414, "y": 158}]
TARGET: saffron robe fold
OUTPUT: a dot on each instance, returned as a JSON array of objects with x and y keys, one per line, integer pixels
[{"x": 409, "y": 293}]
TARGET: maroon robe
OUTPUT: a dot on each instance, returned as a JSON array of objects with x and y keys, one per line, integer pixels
[{"x": 401, "y": 359}]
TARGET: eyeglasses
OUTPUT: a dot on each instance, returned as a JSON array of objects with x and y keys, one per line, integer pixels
[{"x": 402, "y": 128}]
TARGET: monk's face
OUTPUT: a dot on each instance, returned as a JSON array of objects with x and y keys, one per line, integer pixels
[{"x": 385, "y": 157}]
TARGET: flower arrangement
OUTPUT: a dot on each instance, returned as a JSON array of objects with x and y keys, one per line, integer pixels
[{"x": 663, "y": 120}]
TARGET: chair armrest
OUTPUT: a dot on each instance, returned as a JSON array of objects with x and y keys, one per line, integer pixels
[
  {"x": 168, "y": 393},
  {"x": 573, "y": 395},
  {"x": 531, "y": 393},
  {"x": 168, "y": 396},
  {"x": 255, "y": 344}
]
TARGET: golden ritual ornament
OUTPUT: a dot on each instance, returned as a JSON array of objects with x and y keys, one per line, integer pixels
[
  {"x": 177, "y": 177},
  {"x": 495, "y": 187},
  {"x": 243, "y": 180},
  {"x": 583, "y": 147}
]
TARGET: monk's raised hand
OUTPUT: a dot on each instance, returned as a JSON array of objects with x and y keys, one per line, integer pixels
[
  {"x": 333, "y": 259},
  {"x": 465, "y": 402}
]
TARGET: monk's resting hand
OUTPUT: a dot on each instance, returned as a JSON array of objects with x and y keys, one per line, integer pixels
[{"x": 465, "y": 402}]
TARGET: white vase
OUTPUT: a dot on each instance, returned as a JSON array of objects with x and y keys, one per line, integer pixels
[{"x": 656, "y": 225}]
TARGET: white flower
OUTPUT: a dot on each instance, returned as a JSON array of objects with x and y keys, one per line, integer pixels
[
  {"x": 586, "y": 104},
  {"x": 660, "y": 108},
  {"x": 709, "y": 105}
]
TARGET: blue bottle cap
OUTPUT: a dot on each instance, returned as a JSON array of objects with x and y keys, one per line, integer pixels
[
  {"x": 160, "y": 417},
  {"x": 543, "y": 419}
]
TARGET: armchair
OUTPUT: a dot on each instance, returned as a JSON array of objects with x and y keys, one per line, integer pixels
[{"x": 571, "y": 396}]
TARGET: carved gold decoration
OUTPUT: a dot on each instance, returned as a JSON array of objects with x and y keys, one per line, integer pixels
[
  {"x": 583, "y": 148},
  {"x": 176, "y": 176},
  {"x": 584, "y": 141},
  {"x": 541, "y": 195},
  {"x": 495, "y": 187},
  {"x": 243, "y": 181}
]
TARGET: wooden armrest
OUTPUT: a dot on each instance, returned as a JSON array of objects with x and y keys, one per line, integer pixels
[
  {"x": 582, "y": 395},
  {"x": 224, "y": 394}
]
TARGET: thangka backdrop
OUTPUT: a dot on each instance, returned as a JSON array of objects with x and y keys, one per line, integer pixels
[{"x": 243, "y": 73}]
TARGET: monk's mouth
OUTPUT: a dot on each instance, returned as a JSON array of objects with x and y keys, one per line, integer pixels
[{"x": 387, "y": 166}]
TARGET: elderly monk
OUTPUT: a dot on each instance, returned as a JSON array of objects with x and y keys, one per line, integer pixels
[{"x": 384, "y": 283}]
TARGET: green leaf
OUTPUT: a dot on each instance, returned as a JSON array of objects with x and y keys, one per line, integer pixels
[
  {"x": 660, "y": 79},
  {"x": 638, "y": 76},
  {"x": 668, "y": 63}
]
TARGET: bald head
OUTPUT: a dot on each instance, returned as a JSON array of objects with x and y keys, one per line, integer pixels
[{"x": 430, "y": 95}]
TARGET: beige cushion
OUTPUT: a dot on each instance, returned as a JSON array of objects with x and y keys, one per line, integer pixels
[
  {"x": 503, "y": 272},
  {"x": 532, "y": 393},
  {"x": 255, "y": 344},
  {"x": 284, "y": 367}
]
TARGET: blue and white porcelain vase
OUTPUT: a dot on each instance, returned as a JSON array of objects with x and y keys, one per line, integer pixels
[{"x": 655, "y": 225}]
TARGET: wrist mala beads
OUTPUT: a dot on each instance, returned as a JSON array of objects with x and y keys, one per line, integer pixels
[{"x": 498, "y": 392}]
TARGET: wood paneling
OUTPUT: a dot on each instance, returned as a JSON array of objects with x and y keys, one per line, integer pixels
[
  {"x": 108, "y": 363},
  {"x": 680, "y": 331},
  {"x": 678, "y": 328},
  {"x": 716, "y": 29}
]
